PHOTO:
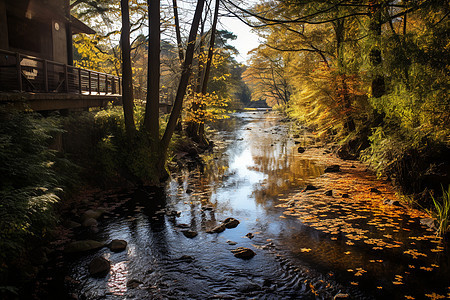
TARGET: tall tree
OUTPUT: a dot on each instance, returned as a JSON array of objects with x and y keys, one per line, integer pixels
[
  {"x": 151, "y": 119},
  {"x": 127, "y": 74}
]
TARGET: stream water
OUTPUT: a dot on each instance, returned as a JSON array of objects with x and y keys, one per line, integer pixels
[{"x": 255, "y": 165}]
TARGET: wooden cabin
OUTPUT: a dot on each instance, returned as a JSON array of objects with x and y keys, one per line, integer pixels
[{"x": 36, "y": 58}]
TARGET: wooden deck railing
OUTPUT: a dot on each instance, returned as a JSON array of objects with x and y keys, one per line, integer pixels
[{"x": 23, "y": 73}]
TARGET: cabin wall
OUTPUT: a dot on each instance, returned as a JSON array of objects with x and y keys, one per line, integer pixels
[{"x": 3, "y": 26}]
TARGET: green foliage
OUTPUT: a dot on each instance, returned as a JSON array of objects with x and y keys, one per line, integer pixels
[
  {"x": 441, "y": 211},
  {"x": 29, "y": 185}
]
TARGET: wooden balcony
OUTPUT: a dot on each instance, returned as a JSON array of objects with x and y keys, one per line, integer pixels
[{"x": 28, "y": 82}]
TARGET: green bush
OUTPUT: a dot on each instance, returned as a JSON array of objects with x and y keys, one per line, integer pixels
[{"x": 29, "y": 186}]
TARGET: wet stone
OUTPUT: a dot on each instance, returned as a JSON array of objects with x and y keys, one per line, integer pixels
[
  {"x": 244, "y": 253},
  {"x": 375, "y": 190},
  {"x": 82, "y": 246},
  {"x": 230, "y": 223},
  {"x": 345, "y": 196},
  {"x": 429, "y": 222},
  {"x": 90, "y": 222},
  {"x": 392, "y": 202},
  {"x": 231, "y": 243},
  {"x": 99, "y": 267},
  {"x": 182, "y": 225},
  {"x": 300, "y": 150},
  {"x": 249, "y": 235},
  {"x": 190, "y": 233},
  {"x": 117, "y": 245},
  {"x": 310, "y": 187},
  {"x": 333, "y": 169},
  {"x": 133, "y": 283},
  {"x": 328, "y": 193},
  {"x": 217, "y": 229}
]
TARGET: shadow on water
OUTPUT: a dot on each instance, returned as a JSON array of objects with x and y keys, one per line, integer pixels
[{"x": 253, "y": 166}]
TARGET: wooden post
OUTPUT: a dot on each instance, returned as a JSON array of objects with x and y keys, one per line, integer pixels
[
  {"x": 98, "y": 83},
  {"x": 66, "y": 79},
  {"x": 106, "y": 84},
  {"x": 113, "y": 85},
  {"x": 120, "y": 87},
  {"x": 45, "y": 75},
  {"x": 19, "y": 72},
  {"x": 79, "y": 81},
  {"x": 90, "y": 86}
]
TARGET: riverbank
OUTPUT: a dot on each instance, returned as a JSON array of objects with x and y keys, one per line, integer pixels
[{"x": 309, "y": 242}]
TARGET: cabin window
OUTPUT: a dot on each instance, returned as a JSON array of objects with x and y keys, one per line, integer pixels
[{"x": 24, "y": 34}]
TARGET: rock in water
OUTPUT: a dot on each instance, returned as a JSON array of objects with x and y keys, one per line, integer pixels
[
  {"x": 117, "y": 245},
  {"x": 217, "y": 229},
  {"x": 430, "y": 222},
  {"x": 310, "y": 187},
  {"x": 375, "y": 190},
  {"x": 230, "y": 223},
  {"x": 329, "y": 193},
  {"x": 300, "y": 150},
  {"x": 99, "y": 267},
  {"x": 190, "y": 234},
  {"x": 244, "y": 253},
  {"x": 81, "y": 246},
  {"x": 249, "y": 235},
  {"x": 333, "y": 169},
  {"x": 231, "y": 243},
  {"x": 91, "y": 222}
]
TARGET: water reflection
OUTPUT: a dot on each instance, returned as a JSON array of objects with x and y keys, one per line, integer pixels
[{"x": 254, "y": 165}]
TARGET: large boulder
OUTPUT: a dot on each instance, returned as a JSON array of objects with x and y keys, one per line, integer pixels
[
  {"x": 99, "y": 267},
  {"x": 82, "y": 246},
  {"x": 244, "y": 253}
]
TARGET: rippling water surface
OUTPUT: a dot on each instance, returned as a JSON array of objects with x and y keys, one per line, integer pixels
[{"x": 255, "y": 164}]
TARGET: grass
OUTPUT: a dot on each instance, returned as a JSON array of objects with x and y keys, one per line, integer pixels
[{"x": 441, "y": 212}]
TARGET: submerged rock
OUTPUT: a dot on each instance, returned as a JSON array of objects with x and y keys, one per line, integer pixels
[
  {"x": 190, "y": 233},
  {"x": 345, "y": 196},
  {"x": 99, "y": 267},
  {"x": 392, "y": 202},
  {"x": 333, "y": 169},
  {"x": 133, "y": 283},
  {"x": 301, "y": 149},
  {"x": 310, "y": 187},
  {"x": 230, "y": 223},
  {"x": 244, "y": 253},
  {"x": 328, "y": 193},
  {"x": 249, "y": 235},
  {"x": 91, "y": 222},
  {"x": 231, "y": 243},
  {"x": 117, "y": 245},
  {"x": 92, "y": 214},
  {"x": 82, "y": 246},
  {"x": 429, "y": 222},
  {"x": 375, "y": 190}
]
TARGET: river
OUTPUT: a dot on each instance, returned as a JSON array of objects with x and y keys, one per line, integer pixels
[{"x": 254, "y": 168}]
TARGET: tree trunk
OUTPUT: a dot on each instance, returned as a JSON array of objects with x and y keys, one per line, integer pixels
[
  {"x": 201, "y": 129},
  {"x": 184, "y": 80},
  {"x": 151, "y": 118},
  {"x": 127, "y": 75},
  {"x": 178, "y": 31},
  {"x": 378, "y": 83}
]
